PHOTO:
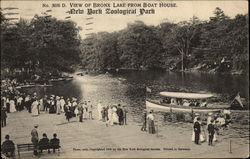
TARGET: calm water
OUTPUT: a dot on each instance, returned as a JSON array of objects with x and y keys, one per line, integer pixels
[{"x": 128, "y": 87}]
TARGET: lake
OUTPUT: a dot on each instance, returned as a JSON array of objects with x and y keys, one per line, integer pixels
[{"x": 129, "y": 87}]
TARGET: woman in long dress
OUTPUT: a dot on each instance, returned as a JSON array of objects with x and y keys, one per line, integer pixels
[
  {"x": 12, "y": 106},
  {"x": 58, "y": 105},
  {"x": 151, "y": 123},
  {"x": 34, "y": 108},
  {"x": 114, "y": 115},
  {"x": 110, "y": 114}
]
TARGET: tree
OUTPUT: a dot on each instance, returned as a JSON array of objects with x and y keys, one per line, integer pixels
[{"x": 184, "y": 36}]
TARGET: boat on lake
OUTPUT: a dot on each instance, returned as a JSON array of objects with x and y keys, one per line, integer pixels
[
  {"x": 185, "y": 102},
  {"x": 33, "y": 85}
]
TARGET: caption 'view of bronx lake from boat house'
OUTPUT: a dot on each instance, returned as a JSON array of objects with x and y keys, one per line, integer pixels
[{"x": 122, "y": 79}]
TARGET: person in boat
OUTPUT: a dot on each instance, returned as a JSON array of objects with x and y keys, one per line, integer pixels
[
  {"x": 144, "y": 120},
  {"x": 186, "y": 103},
  {"x": 179, "y": 101},
  {"x": 173, "y": 101},
  {"x": 197, "y": 131},
  {"x": 203, "y": 103},
  {"x": 211, "y": 132},
  {"x": 151, "y": 124}
]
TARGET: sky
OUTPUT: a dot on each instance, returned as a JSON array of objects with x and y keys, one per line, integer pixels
[{"x": 184, "y": 11}]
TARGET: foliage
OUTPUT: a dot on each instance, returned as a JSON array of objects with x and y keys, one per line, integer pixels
[
  {"x": 218, "y": 45},
  {"x": 40, "y": 45}
]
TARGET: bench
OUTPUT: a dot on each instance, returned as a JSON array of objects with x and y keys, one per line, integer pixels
[
  {"x": 24, "y": 147},
  {"x": 30, "y": 147}
]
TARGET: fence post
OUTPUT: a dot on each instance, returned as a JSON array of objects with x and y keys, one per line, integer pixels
[{"x": 230, "y": 146}]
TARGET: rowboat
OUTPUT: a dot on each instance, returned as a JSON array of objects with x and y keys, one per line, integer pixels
[
  {"x": 171, "y": 107},
  {"x": 33, "y": 85}
]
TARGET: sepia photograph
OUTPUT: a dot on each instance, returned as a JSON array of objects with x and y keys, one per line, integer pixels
[{"x": 124, "y": 79}]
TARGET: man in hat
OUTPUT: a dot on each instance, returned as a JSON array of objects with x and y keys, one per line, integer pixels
[
  {"x": 211, "y": 131},
  {"x": 120, "y": 114},
  {"x": 35, "y": 139},
  {"x": 3, "y": 117},
  {"x": 151, "y": 125},
  {"x": 195, "y": 119},
  {"x": 197, "y": 131}
]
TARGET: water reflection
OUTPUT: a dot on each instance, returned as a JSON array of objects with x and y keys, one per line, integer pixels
[{"x": 128, "y": 87}]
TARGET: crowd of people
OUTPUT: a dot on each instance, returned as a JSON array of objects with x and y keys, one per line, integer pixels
[
  {"x": 113, "y": 114},
  {"x": 215, "y": 123}
]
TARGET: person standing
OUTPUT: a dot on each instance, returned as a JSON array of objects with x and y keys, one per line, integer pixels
[
  {"x": 62, "y": 103},
  {"x": 41, "y": 103},
  {"x": 3, "y": 117},
  {"x": 110, "y": 114},
  {"x": 197, "y": 131},
  {"x": 124, "y": 115},
  {"x": 80, "y": 112},
  {"x": 195, "y": 119},
  {"x": 35, "y": 139},
  {"x": 211, "y": 131},
  {"x": 67, "y": 112},
  {"x": 58, "y": 105},
  {"x": 99, "y": 110},
  {"x": 144, "y": 121},
  {"x": 12, "y": 106},
  {"x": 151, "y": 124},
  {"x": 90, "y": 110},
  {"x": 35, "y": 108},
  {"x": 19, "y": 103},
  {"x": 120, "y": 114},
  {"x": 114, "y": 115}
]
